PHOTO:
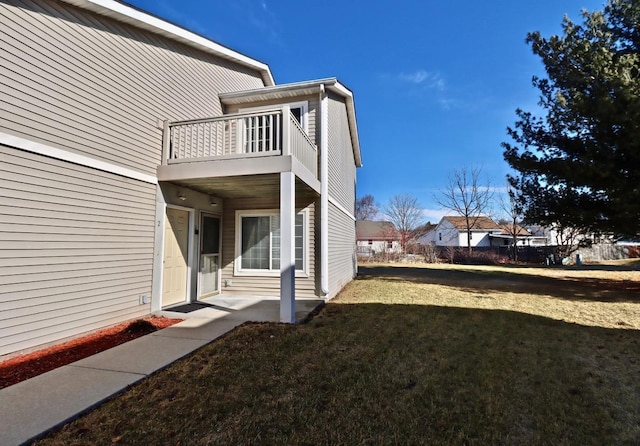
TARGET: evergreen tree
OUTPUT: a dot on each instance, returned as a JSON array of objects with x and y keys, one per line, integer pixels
[{"x": 579, "y": 164}]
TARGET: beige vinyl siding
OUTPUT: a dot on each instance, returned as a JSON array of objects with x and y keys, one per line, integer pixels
[
  {"x": 76, "y": 249},
  {"x": 342, "y": 245},
  {"x": 342, "y": 171},
  {"x": 260, "y": 285},
  {"x": 90, "y": 85},
  {"x": 342, "y": 168}
]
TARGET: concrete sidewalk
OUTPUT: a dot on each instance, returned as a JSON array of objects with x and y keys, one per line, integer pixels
[{"x": 31, "y": 408}]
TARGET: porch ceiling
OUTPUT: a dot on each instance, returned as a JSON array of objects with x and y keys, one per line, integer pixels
[{"x": 244, "y": 186}]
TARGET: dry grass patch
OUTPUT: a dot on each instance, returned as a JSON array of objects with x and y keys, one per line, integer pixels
[
  {"x": 604, "y": 295},
  {"x": 401, "y": 357}
]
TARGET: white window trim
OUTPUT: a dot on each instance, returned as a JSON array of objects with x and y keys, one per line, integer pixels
[
  {"x": 239, "y": 271},
  {"x": 304, "y": 105}
]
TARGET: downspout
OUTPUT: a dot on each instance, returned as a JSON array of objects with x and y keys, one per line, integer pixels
[{"x": 324, "y": 191}]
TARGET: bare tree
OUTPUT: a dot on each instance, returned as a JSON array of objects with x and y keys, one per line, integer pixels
[
  {"x": 366, "y": 208},
  {"x": 465, "y": 196},
  {"x": 406, "y": 215},
  {"x": 513, "y": 212},
  {"x": 569, "y": 239}
]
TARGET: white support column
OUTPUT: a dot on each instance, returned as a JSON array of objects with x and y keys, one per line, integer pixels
[
  {"x": 287, "y": 248},
  {"x": 324, "y": 192}
]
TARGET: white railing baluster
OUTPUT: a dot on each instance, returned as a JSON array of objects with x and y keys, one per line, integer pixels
[{"x": 268, "y": 133}]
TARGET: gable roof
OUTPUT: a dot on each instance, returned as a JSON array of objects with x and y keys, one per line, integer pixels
[
  {"x": 375, "y": 230},
  {"x": 291, "y": 90},
  {"x": 507, "y": 229},
  {"x": 481, "y": 224},
  {"x": 123, "y": 12}
]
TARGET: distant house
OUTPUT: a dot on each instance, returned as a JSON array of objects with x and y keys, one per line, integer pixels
[
  {"x": 505, "y": 238},
  {"x": 452, "y": 231},
  {"x": 374, "y": 237}
]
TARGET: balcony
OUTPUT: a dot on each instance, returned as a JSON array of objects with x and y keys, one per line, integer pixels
[{"x": 242, "y": 136}]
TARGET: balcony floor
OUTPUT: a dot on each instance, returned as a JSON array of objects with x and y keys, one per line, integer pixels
[{"x": 256, "y": 177}]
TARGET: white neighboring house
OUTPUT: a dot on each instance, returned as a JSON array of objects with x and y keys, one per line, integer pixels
[
  {"x": 552, "y": 236},
  {"x": 452, "y": 231},
  {"x": 523, "y": 236},
  {"x": 374, "y": 237}
]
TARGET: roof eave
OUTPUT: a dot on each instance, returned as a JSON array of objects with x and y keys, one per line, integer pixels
[{"x": 303, "y": 88}]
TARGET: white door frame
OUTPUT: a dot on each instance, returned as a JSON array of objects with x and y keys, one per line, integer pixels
[
  {"x": 199, "y": 253},
  {"x": 161, "y": 221}
]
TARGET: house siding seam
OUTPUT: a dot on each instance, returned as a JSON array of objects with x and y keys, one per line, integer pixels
[
  {"x": 90, "y": 85},
  {"x": 76, "y": 249},
  {"x": 243, "y": 285}
]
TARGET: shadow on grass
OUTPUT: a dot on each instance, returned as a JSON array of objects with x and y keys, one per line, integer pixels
[
  {"x": 487, "y": 281},
  {"x": 388, "y": 374}
]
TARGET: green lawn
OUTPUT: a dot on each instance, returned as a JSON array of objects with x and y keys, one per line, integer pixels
[{"x": 409, "y": 355}]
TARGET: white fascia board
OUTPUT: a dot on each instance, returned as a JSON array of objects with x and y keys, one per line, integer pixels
[
  {"x": 275, "y": 91},
  {"x": 133, "y": 16}
]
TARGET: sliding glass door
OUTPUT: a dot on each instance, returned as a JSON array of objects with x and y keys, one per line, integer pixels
[{"x": 209, "y": 256}]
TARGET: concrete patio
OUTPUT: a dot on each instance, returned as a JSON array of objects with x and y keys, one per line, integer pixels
[{"x": 33, "y": 407}]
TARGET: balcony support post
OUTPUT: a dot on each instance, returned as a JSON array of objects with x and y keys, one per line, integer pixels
[
  {"x": 286, "y": 130},
  {"x": 287, "y": 248},
  {"x": 166, "y": 142}
]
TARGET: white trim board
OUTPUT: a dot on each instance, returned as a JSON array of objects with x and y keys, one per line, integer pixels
[
  {"x": 75, "y": 158},
  {"x": 341, "y": 208}
]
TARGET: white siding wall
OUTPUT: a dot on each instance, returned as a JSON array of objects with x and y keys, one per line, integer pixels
[
  {"x": 446, "y": 234},
  {"x": 452, "y": 236},
  {"x": 478, "y": 238},
  {"x": 76, "y": 248}
]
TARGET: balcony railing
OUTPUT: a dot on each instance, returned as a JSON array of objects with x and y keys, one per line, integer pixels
[{"x": 242, "y": 135}]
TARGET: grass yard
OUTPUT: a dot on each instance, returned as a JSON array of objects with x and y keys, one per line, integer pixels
[{"x": 430, "y": 354}]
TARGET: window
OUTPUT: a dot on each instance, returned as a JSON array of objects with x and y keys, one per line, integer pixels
[
  {"x": 299, "y": 111},
  {"x": 258, "y": 241},
  {"x": 440, "y": 236}
]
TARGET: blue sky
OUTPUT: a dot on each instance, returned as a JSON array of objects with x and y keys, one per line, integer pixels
[{"x": 436, "y": 83}]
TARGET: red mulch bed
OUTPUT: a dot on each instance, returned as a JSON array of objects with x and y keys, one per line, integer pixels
[{"x": 27, "y": 366}]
